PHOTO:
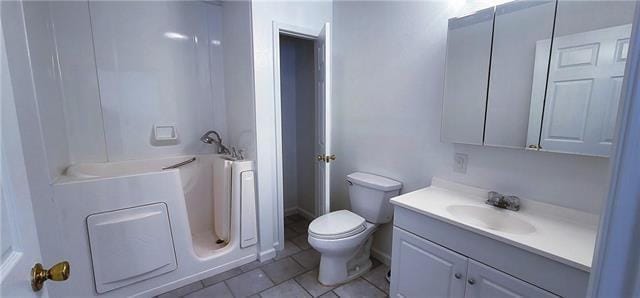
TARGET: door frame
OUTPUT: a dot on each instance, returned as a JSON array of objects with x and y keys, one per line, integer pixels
[
  {"x": 302, "y": 33},
  {"x": 616, "y": 265}
]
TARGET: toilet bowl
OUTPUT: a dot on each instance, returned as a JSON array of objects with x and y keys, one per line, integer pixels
[{"x": 343, "y": 238}]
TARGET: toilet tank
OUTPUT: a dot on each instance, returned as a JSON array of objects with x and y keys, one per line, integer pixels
[{"x": 369, "y": 195}]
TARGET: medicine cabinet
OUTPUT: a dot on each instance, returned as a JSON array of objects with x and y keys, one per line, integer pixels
[{"x": 537, "y": 75}]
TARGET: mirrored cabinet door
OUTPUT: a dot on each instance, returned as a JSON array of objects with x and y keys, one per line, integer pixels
[
  {"x": 522, "y": 32},
  {"x": 586, "y": 70},
  {"x": 466, "y": 77}
]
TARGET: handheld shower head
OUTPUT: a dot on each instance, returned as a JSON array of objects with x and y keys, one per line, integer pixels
[{"x": 206, "y": 138}]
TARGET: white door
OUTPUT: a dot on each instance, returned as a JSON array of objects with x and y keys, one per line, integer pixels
[
  {"x": 18, "y": 239},
  {"x": 421, "y": 268},
  {"x": 585, "y": 82},
  {"x": 486, "y": 282},
  {"x": 323, "y": 120}
]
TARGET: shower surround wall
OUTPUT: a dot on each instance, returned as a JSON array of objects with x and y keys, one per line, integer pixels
[
  {"x": 60, "y": 46},
  {"x": 110, "y": 71},
  {"x": 159, "y": 63}
]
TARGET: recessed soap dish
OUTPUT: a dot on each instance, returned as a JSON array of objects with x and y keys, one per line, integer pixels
[{"x": 165, "y": 132}]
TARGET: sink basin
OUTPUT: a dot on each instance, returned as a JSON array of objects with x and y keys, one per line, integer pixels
[{"x": 490, "y": 218}]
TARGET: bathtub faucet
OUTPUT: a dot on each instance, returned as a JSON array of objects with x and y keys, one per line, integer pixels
[{"x": 206, "y": 138}]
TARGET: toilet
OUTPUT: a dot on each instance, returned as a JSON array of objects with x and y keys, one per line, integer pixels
[{"x": 343, "y": 238}]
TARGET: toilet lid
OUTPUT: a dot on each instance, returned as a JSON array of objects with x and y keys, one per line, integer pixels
[{"x": 337, "y": 224}]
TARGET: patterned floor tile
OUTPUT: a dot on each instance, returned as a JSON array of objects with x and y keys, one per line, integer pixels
[
  {"x": 359, "y": 288},
  {"x": 288, "y": 289},
  {"x": 378, "y": 277},
  {"x": 309, "y": 258},
  {"x": 249, "y": 283},
  {"x": 222, "y": 276},
  {"x": 219, "y": 290},
  {"x": 302, "y": 241},
  {"x": 282, "y": 270},
  {"x": 289, "y": 249},
  {"x": 309, "y": 281}
]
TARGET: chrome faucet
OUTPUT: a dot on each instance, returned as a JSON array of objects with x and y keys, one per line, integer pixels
[
  {"x": 237, "y": 154},
  {"x": 501, "y": 201},
  {"x": 206, "y": 138}
]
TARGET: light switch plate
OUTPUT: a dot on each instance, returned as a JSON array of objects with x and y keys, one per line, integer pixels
[{"x": 460, "y": 163}]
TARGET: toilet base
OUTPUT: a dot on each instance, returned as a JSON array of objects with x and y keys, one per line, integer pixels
[{"x": 335, "y": 270}]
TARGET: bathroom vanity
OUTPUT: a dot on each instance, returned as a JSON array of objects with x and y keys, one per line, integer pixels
[{"x": 448, "y": 243}]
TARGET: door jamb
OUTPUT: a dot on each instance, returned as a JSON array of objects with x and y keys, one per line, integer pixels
[{"x": 299, "y": 32}]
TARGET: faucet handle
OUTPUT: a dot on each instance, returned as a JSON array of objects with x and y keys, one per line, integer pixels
[
  {"x": 241, "y": 154},
  {"x": 512, "y": 203},
  {"x": 494, "y": 197}
]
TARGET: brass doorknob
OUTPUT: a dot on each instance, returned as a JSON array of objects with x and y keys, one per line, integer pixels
[
  {"x": 39, "y": 275},
  {"x": 320, "y": 157},
  {"x": 330, "y": 158}
]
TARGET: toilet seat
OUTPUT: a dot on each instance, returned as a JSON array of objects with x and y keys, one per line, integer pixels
[{"x": 337, "y": 225}]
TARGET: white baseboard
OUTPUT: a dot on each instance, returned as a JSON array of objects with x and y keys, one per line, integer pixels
[
  {"x": 380, "y": 256},
  {"x": 308, "y": 215},
  {"x": 267, "y": 255},
  {"x": 290, "y": 211},
  {"x": 297, "y": 210}
]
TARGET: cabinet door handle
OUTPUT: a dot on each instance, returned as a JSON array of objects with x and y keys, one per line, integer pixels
[
  {"x": 471, "y": 281},
  {"x": 457, "y": 275}
]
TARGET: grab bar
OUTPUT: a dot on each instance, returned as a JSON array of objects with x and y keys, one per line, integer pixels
[{"x": 180, "y": 164}]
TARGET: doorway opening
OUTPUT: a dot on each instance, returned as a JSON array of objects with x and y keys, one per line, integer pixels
[
  {"x": 298, "y": 129},
  {"x": 302, "y": 85}
]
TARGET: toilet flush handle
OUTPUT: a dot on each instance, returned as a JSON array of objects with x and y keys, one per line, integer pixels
[{"x": 349, "y": 182}]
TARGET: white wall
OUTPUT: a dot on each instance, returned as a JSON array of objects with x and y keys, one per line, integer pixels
[
  {"x": 387, "y": 99},
  {"x": 307, "y": 14}
]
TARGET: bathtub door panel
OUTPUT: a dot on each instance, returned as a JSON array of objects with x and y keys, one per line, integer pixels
[
  {"x": 248, "y": 229},
  {"x": 221, "y": 198},
  {"x": 130, "y": 245}
]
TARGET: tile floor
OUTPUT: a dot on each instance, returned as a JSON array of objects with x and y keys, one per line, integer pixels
[{"x": 292, "y": 273}]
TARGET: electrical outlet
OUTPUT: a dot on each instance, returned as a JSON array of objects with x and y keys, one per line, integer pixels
[{"x": 460, "y": 163}]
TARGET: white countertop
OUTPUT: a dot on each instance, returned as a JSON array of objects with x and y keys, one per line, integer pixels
[{"x": 562, "y": 234}]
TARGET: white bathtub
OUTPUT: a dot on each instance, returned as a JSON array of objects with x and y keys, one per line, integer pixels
[{"x": 180, "y": 213}]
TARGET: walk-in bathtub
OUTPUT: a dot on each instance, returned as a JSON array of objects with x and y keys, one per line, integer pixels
[{"x": 134, "y": 229}]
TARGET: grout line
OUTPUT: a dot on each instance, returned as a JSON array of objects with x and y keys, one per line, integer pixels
[
  {"x": 228, "y": 287},
  {"x": 303, "y": 288},
  {"x": 371, "y": 283},
  {"x": 294, "y": 260}
]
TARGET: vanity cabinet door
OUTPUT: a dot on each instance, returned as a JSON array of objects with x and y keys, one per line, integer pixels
[
  {"x": 486, "y": 282},
  {"x": 420, "y": 268}
]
